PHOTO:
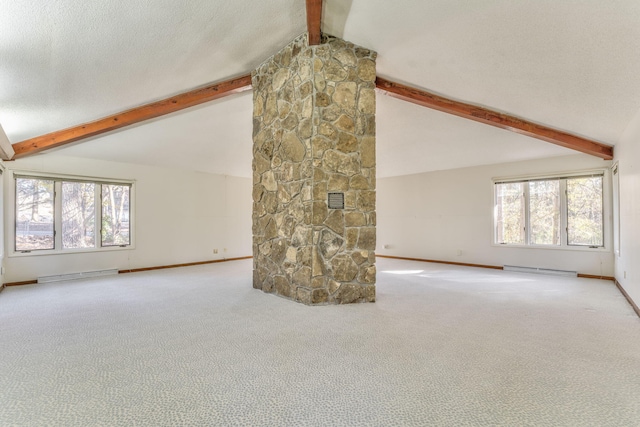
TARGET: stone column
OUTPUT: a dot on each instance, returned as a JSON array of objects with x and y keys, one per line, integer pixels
[{"x": 314, "y": 141}]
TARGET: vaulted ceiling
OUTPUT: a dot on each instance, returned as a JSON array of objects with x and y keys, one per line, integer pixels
[{"x": 570, "y": 65}]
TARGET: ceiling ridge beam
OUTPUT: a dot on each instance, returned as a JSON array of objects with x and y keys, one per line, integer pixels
[
  {"x": 314, "y": 20},
  {"x": 494, "y": 118},
  {"x": 135, "y": 115}
]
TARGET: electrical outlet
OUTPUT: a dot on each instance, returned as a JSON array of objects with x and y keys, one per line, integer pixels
[
  {"x": 215, "y": 251},
  {"x": 224, "y": 250},
  {"x": 459, "y": 252},
  {"x": 625, "y": 274}
]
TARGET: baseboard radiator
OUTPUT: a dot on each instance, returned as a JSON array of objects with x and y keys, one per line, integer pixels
[
  {"x": 536, "y": 270},
  {"x": 81, "y": 275}
]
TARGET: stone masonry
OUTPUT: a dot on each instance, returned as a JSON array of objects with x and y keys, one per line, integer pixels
[{"x": 314, "y": 134}]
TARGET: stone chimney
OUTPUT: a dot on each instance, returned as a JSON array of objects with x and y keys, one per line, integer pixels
[{"x": 314, "y": 175}]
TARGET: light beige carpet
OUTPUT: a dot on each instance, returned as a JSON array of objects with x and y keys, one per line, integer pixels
[{"x": 442, "y": 346}]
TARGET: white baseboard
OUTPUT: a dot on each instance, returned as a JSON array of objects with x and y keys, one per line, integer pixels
[
  {"x": 536, "y": 270},
  {"x": 72, "y": 276}
]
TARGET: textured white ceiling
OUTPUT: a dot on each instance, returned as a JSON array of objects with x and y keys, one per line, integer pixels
[
  {"x": 413, "y": 139},
  {"x": 64, "y": 62},
  {"x": 215, "y": 137},
  {"x": 569, "y": 64},
  {"x": 573, "y": 65}
]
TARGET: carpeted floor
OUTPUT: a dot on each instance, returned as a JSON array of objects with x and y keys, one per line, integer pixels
[{"x": 442, "y": 346}]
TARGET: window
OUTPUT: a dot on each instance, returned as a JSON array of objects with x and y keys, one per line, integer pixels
[
  {"x": 78, "y": 215},
  {"x": 559, "y": 211},
  {"x": 544, "y": 212},
  {"x": 510, "y": 208},
  {"x": 34, "y": 214},
  {"x": 115, "y": 215},
  {"x": 584, "y": 211},
  {"x": 59, "y": 214}
]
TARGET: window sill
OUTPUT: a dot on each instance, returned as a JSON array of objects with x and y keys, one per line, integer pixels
[
  {"x": 555, "y": 248},
  {"x": 44, "y": 252}
]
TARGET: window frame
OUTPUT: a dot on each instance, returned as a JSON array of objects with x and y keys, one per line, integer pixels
[
  {"x": 615, "y": 203},
  {"x": 54, "y": 202},
  {"x": 96, "y": 197},
  {"x": 602, "y": 201},
  {"x": 564, "y": 238},
  {"x": 11, "y": 211},
  {"x": 99, "y": 236},
  {"x": 562, "y": 211}
]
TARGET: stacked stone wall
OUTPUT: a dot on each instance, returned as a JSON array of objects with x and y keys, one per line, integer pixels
[{"x": 314, "y": 134}]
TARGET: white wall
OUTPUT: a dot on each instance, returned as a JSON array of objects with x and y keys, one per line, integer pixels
[
  {"x": 627, "y": 263},
  {"x": 434, "y": 215},
  {"x": 180, "y": 217},
  {"x": 2, "y": 234}
]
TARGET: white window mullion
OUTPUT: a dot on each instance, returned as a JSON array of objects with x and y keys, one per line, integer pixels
[
  {"x": 564, "y": 215},
  {"x": 527, "y": 219},
  {"x": 57, "y": 216},
  {"x": 496, "y": 208},
  {"x": 98, "y": 207}
]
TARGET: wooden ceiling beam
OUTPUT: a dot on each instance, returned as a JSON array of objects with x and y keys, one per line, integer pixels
[
  {"x": 135, "y": 115},
  {"x": 240, "y": 84},
  {"x": 493, "y": 118},
  {"x": 314, "y": 19}
]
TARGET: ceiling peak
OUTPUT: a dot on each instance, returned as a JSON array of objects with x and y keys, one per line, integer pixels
[{"x": 314, "y": 20}]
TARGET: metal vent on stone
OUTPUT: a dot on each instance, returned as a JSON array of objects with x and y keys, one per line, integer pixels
[{"x": 336, "y": 201}]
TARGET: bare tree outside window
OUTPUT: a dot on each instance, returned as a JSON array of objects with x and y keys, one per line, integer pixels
[
  {"x": 59, "y": 214},
  {"x": 78, "y": 215},
  {"x": 34, "y": 214},
  {"x": 558, "y": 211},
  {"x": 115, "y": 215},
  {"x": 544, "y": 212},
  {"x": 585, "y": 213},
  {"x": 510, "y": 219}
]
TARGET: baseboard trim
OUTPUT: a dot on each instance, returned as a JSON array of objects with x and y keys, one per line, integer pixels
[
  {"x": 591, "y": 276},
  {"x": 463, "y": 264},
  {"x": 137, "y": 270},
  {"x": 24, "y": 282},
  {"x": 494, "y": 267},
  {"x": 189, "y": 264},
  {"x": 627, "y": 297}
]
